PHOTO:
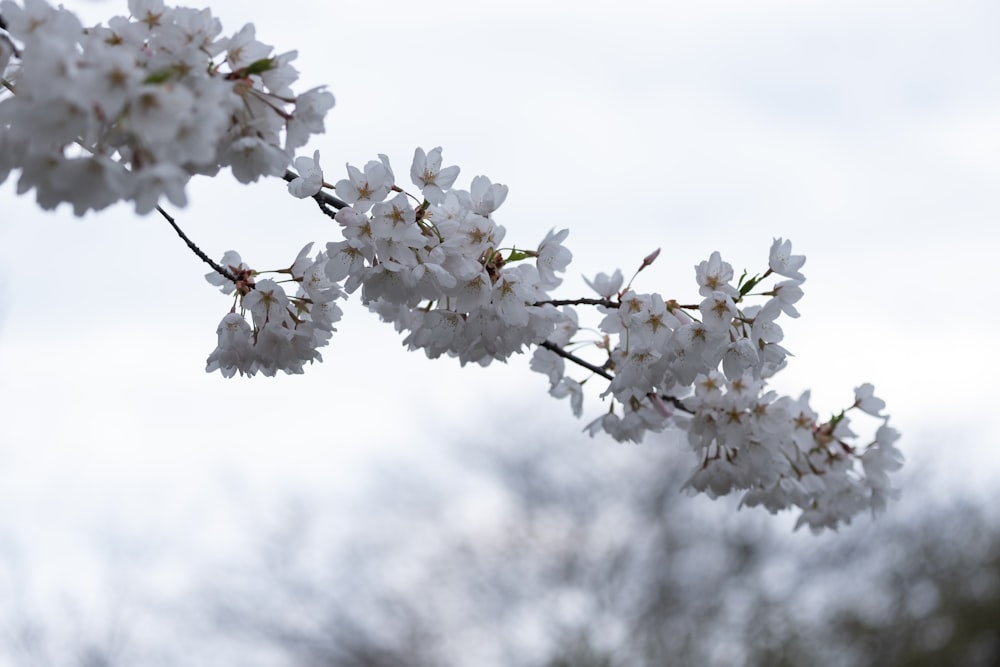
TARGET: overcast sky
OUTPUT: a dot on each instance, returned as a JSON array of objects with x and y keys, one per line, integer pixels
[{"x": 866, "y": 132}]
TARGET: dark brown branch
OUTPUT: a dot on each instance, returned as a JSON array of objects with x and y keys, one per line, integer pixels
[
  {"x": 607, "y": 303},
  {"x": 323, "y": 199},
  {"x": 552, "y": 347},
  {"x": 674, "y": 401},
  {"x": 324, "y": 209},
  {"x": 225, "y": 273}
]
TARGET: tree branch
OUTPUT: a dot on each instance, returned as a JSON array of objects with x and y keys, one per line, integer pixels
[
  {"x": 552, "y": 347},
  {"x": 674, "y": 401},
  {"x": 322, "y": 198},
  {"x": 225, "y": 273},
  {"x": 607, "y": 303}
]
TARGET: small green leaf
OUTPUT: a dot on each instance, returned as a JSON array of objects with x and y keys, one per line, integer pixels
[
  {"x": 259, "y": 66},
  {"x": 517, "y": 255},
  {"x": 749, "y": 285},
  {"x": 161, "y": 76}
]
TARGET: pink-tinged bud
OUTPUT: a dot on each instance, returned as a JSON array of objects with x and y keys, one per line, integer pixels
[
  {"x": 679, "y": 313},
  {"x": 658, "y": 403},
  {"x": 649, "y": 259}
]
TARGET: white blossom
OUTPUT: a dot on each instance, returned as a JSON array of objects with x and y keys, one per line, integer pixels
[
  {"x": 143, "y": 91},
  {"x": 310, "y": 178}
]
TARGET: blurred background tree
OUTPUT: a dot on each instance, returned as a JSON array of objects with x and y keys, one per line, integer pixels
[
  {"x": 560, "y": 555},
  {"x": 593, "y": 557}
]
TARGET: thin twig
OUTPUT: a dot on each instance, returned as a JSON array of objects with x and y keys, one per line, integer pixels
[{"x": 225, "y": 273}]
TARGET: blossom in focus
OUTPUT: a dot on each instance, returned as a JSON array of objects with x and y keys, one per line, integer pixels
[
  {"x": 232, "y": 262},
  {"x": 783, "y": 262},
  {"x": 605, "y": 285},
  {"x": 553, "y": 256},
  {"x": 486, "y": 196},
  {"x": 427, "y": 174},
  {"x": 310, "y": 178},
  {"x": 362, "y": 189},
  {"x": 714, "y": 275}
]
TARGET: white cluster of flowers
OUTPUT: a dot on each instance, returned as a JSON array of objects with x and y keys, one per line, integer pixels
[
  {"x": 663, "y": 361},
  {"x": 287, "y": 330},
  {"x": 435, "y": 267},
  {"x": 131, "y": 110}
]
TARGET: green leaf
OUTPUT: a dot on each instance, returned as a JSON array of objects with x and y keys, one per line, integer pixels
[
  {"x": 749, "y": 285},
  {"x": 259, "y": 66},
  {"x": 517, "y": 255},
  {"x": 161, "y": 76}
]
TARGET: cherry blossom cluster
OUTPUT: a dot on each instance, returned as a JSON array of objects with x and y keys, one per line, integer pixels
[
  {"x": 435, "y": 266},
  {"x": 776, "y": 450},
  {"x": 287, "y": 329},
  {"x": 131, "y": 110},
  {"x": 663, "y": 360}
]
